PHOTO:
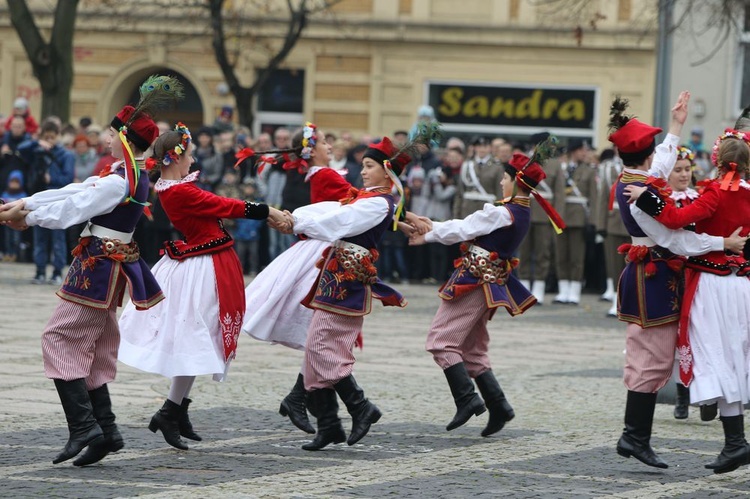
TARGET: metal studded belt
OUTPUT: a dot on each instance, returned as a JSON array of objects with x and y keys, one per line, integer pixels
[
  {"x": 356, "y": 261},
  {"x": 480, "y": 263}
]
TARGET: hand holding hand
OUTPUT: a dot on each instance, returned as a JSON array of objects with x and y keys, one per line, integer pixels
[
  {"x": 417, "y": 240},
  {"x": 280, "y": 221},
  {"x": 406, "y": 228},
  {"x": 735, "y": 243},
  {"x": 13, "y": 212},
  {"x": 634, "y": 192}
]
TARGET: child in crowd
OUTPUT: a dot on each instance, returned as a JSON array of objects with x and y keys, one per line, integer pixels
[
  {"x": 13, "y": 191},
  {"x": 247, "y": 232}
]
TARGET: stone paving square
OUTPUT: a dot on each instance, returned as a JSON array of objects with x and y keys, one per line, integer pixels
[{"x": 560, "y": 367}]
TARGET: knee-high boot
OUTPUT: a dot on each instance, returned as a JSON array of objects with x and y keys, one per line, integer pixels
[
  {"x": 112, "y": 442},
  {"x": 468, "y": 403},
  {"x": 636, "y": 437},
  {"x": 500, "y": 410},
  {"x": 736, "y": 451},
  {"x": 293, "y": 406},
  {"x": 323, "y": 405},
  {"x": 682, "y": 401},
  {"x": 83, "y": 428},
  {"x": 364, "y": 413},
  {"x": 167, "y": 419}
]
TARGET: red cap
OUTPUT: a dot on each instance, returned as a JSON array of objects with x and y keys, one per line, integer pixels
[
  {"x": 634, "y": 136},
  {"x": 530, "y": 175},
  {"x": 385, "y": 150},
  {"x": 380, "y": 151},
  {"x": 142, "y": 131}
]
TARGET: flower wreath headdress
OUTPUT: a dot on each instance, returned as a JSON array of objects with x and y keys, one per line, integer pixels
[
  {"x": 731, "y": 179},
  {"x": 174, "y": 154},
  {"x": 685, "y": 153},
  {"x": 309, "y": 141}
]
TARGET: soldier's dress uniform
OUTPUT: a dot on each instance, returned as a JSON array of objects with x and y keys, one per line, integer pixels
[
  {"x": 574, "y": 193},
  {"x": 609, "y": 224},
  {"x": 477, "y": 183},
  {"x": 535, "y": 250}
]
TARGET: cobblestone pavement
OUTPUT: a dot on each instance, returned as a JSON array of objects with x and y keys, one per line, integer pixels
[{"x": 559, "y": 365}]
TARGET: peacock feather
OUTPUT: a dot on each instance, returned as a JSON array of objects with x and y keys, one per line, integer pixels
[
  {"x": 428, "y": 133},
  {"x": 158, "y": 92},
  {"x": 617, "y": 116},
  {"x": 544, "y": 150}
]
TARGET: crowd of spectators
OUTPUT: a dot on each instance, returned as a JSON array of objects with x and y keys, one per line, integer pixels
[{"x": 36, "y": 157}]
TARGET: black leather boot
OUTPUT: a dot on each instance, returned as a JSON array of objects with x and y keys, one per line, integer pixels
[
  {"x": 167, "y": 420},
  {"x": 500, "y": 410},
  {"x": 293, "y": 406},
  {"x": 186, "y": 427},
  {"x": 324, "y": 406},
  {"x": 736, "y": 451},
  {"x": 682, "y": 401},
  {"x": 83, "y": 428},
  {"x": 468, "y": 403},
  {"x": 364, "y": 413},
  {"x": 709, "y": 411},
  {"x": 112, "y": 442},
  {"x": 636, "y": 437}
]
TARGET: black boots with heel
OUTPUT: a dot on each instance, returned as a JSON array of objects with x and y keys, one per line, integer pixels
[
  {"x": 323, "y": 405},
  {"x": 293, "y": 406},
  {"x": 500, "y": 410},
  {"x": 468, "y": 403},
  {"x": 167, "y": 419},
  {"x": 736, "y": 451},
  {"x": 636, "y": 437},
  {"x": 112, "y": 442},
  {"x": 82, "y": 425},
  {"x": 364, "y": 413}
]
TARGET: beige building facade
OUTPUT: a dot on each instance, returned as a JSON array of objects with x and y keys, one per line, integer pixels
[{"x": 498, "y": 67}]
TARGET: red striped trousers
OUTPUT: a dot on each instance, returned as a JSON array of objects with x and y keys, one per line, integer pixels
[
  {"x": 81, "y": 342},
  {"x": 328, "y": 351},
  {"x": 649, "y": 357},
  {"x": 459, "y": 333}
]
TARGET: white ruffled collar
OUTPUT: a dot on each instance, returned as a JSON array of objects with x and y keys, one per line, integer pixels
[
  {"x": 164, "y": 184},
  {"x": 315, "y": 169},
  {"x": 688, "y": 193}
]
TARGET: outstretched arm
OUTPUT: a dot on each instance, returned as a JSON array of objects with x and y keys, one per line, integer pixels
[{"x": 488, "y": 219}]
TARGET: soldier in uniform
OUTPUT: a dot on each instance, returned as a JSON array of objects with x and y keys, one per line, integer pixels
[
  {"x": 536, "y": 248},
  {"x": 575, "y": 188},
  {"x": 609, "y": 225},
  {"x": 479, "y": 180}
]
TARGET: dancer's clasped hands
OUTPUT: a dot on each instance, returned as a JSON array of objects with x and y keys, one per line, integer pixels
[
  {"x": 14, "y": 214},
  {"x": 281, "y": 221}
]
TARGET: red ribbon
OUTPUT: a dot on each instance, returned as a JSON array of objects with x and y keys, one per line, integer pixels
[
  {"x": 731, "y": 180},
  {"x": 150, "y": 164},
  {"x": 242, "y": 155},
  {"x": 265, "y": 160},
  {"x": 299, "y": 163}
]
